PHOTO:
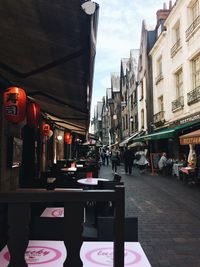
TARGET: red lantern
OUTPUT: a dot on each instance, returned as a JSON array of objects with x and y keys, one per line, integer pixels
[
  {"x": 69, "y": 140},
  {"x": 33, "y": 114},
  {"x": 46, "y": 129},
  {"x": 14, "y": 102},
  {"x": 67, "y": 137}
]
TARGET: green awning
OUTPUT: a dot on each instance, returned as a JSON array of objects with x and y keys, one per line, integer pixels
[{"x": 164, "y": 134}]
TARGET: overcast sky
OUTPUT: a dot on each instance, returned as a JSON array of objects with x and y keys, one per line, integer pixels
[{"x": 119, "y": 30}]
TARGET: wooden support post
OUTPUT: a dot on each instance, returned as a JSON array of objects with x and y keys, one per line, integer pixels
[
  {"x": 119, "y": 228},
  {"x": 18, "y": 233},
  {"x": 73, "y": 219}
]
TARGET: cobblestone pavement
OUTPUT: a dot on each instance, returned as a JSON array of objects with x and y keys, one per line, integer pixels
[{"x": 168, "y": 216}]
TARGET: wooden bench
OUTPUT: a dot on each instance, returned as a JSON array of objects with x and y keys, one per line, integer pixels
[{"x": 19, "y": 219}]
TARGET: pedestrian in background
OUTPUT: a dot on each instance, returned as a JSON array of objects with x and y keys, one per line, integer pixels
[
  {"x": 103, "y": 156},
  {"x": 141, "y": 160},
  {"x": 162, "y": 163},
  {"x": 128, "y": 160},
  {"x": 114, "y": 159},
  {"x": 107, "y": 155}
]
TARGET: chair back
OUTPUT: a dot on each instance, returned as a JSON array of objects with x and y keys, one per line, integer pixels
[{"x": 108, "y": 184}]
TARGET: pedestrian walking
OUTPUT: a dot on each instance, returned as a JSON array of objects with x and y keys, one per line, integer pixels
[
  {"x": 141, "y": 160},
  {"x": 114, "y": 159},
  {"x": 128, "y": 160},
  {"x": 103, "y": 156},
  {"x": 107, "y": 155},
  {"x": 162, "y": 163}
]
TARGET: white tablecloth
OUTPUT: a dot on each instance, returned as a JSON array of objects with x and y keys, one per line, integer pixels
[{"x": 98, "y": 254}]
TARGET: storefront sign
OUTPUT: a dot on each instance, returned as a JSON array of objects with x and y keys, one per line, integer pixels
[
  {"x": 190, "y": 119},
  {"x": 190, "y": 140}
]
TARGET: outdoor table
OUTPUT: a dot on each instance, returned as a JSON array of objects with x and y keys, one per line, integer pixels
[
  {"x": 91, "y": 181},
  {"x": 53, "y": 253},
  {"x": 53, "y": 212}
]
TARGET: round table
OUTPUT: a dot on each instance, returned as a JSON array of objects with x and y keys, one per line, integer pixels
[{"x": 91, "y": 181}]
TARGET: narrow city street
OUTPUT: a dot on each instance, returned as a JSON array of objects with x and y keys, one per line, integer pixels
[{"x": 168, "y": 217}]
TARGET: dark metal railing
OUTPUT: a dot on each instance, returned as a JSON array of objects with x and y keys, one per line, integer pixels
[
  {"x": 19, "y": 219},
  {"x": 175, "y": 48},
  {"x": 158, "y": 117},
  {"x": 192, "y": 28},
  {"x": 177, "y": 103},
  {"x": 193, "y": 96}
]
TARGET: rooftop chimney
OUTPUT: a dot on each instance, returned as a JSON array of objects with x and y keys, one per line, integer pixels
[
  {"x": 170, "y": 4},
  {"x": 162, "y": 14}
]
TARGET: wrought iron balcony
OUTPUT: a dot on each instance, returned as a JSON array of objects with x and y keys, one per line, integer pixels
[
  {"x": 192, "y": 28},
  {"x": 158, "y": 118},
  {"x": 159, "y": 78},
  {"x": 175, "y": 48},
  {"x": 177, "y": 103},
  {"x": 193, "y": 96}
]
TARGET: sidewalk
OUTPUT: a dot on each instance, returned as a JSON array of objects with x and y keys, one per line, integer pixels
[{"x": 168, "y": 214}]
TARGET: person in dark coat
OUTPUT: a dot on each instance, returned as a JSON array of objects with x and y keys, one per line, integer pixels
[{"x": 128, "y": 160}]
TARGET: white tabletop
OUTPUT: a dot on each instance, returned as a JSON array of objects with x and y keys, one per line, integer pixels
[
  {"x": 70, "y": 169},
  {"x": 53, "y": 253},
  {"x": 53, "y": 212},
  {"x": 91, "y": 181}
]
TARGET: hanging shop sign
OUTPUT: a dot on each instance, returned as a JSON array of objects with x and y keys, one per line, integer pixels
[
  {"x": 33, "y": 114},
  {"x": 14, "y": 104}
]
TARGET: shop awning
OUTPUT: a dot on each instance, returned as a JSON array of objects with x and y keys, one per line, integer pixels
[
  {"x": 190, "y": 138},
  {"x": 164, "y": 134},
  {"x": 48, "y": 49},
  {"x": 130, "y": 138}
]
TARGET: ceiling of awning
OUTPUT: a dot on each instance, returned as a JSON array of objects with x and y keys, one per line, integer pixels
[{"x": 48, "y": 48}]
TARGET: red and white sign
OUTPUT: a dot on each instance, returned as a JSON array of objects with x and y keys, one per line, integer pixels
[{"x": 93, "y": 254}]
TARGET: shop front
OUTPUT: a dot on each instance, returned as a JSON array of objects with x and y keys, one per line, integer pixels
[{"x": 167, "y": 140}]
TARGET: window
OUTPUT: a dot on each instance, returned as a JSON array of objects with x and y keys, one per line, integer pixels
[
  {"x": 159, "y": 70},
  {"x": 194, "y": 10},
  {"x": 176, "y": 39},
  {"x": 194, "y": 19},
  {"x": 196, "y": 71},
  {"x": 179, "y": 83},
  {"x": 142, "y": 118},
  {"x": 141, "y": 90},
  {"x": 160, "y": 103},
  {"x": 159, "y": 66}
]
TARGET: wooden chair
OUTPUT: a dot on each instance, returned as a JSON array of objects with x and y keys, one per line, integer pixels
[{"x": 19, "y": 220}]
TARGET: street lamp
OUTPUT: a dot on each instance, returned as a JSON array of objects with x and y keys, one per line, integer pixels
[
  {"x": 89, "y": 7},
  {"x": 131, "y": 124}
]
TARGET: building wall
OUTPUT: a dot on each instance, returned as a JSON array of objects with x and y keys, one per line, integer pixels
[{"x": 171, "y": 64}]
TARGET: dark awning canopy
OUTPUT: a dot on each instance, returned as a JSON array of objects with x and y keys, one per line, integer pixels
[
  {"x": 48, "y": 48},
  {"x": 166, "y": 133}
]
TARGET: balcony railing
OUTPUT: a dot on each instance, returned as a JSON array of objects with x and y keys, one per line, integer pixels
[
  {"x": 177, "y": 103},
  {"x": 192, "y": 28},
  {"x": 193, "y": 96},
  {"x": 175, "y": 48},
  {"x": 158, "y": 117},
  {"x": 159, "y": 78}
]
